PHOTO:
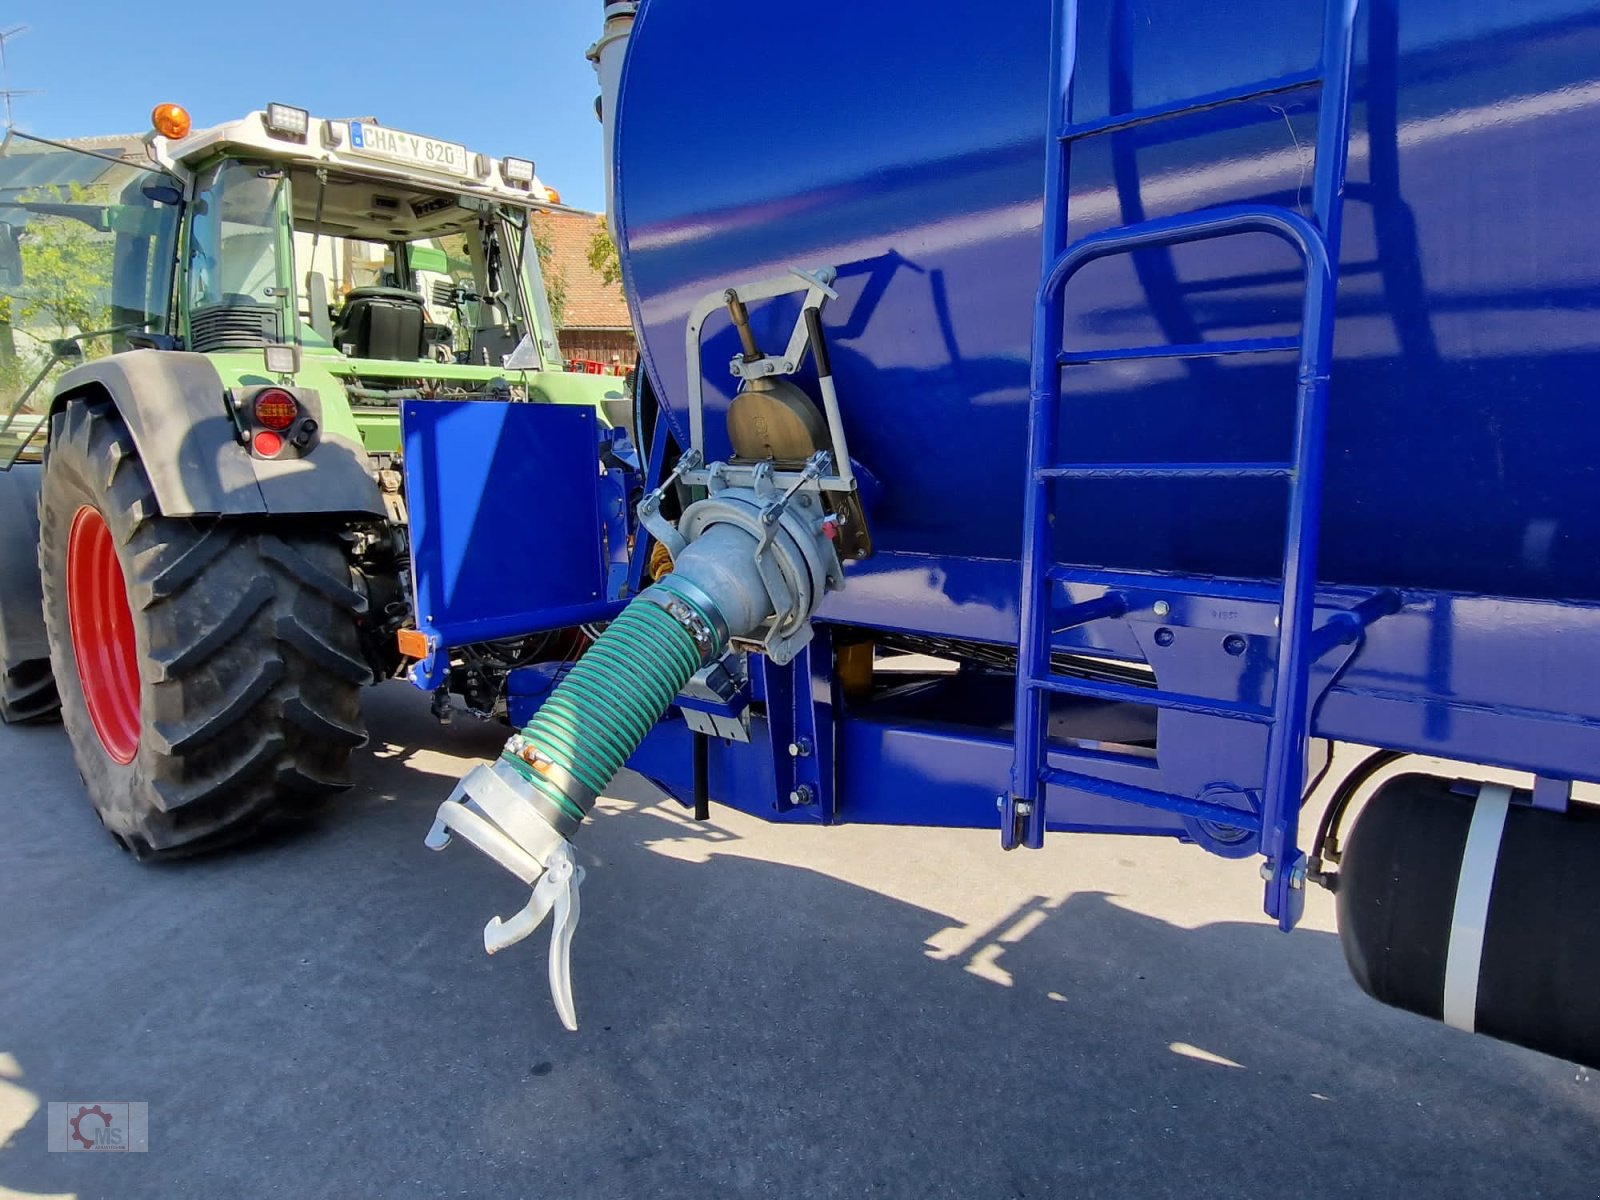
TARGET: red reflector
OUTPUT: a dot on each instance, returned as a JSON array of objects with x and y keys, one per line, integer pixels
[
  {"x": 267, "y": 444},
  {"x": 276, "y": 409}
]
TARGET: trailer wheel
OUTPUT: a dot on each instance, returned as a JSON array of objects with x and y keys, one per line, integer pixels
[{"x": 209, "y": 670}]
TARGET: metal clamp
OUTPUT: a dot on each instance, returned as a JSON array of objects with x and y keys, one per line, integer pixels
[{"x": 649, "y": 510}]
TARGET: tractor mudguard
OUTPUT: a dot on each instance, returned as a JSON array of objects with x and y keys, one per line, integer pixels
[
  {"x": 22, "y": 636},
  {"x": 172, "y": 404}
]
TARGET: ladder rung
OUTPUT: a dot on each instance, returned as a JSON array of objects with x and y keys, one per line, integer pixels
[
  {"x": 1122, "y": 693},
  {"x": 1270, "y": 345},
  {"x": 1168, "y": 471},
  {"x": 1195, "y": 104},
  {"x": 1219, "y": 814},
  {"x": 1172, "y": 585}
]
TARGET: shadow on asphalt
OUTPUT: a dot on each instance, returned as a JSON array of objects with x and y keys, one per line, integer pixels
[{"x": 321, "y": 1020}]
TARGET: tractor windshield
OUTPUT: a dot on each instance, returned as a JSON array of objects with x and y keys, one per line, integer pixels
[
  {"x": 366, "y": 268},
  {"x": 385, "y": 272}
]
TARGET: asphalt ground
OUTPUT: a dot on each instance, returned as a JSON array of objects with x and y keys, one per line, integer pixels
[{"x": 764, "y": 1012}]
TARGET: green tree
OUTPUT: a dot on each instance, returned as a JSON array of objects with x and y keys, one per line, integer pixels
[
  {"x": 555, "y": 279},
  {"x": 64, "y": 289},
  {"x": 603, "y": 260},
  {"x": 66, "y": 269}
]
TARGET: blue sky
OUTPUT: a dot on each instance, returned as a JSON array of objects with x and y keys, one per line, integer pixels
[{"x": 502, "y": 76}]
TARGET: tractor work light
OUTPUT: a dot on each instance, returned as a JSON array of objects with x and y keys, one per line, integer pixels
[
  {"x": 171, "y": 121},
  {"x": 282, "y": 360},
  {"x": 516, "y": 170},
  {"x": 283, "y": 120},
  {"x": 276, "y": 409}
]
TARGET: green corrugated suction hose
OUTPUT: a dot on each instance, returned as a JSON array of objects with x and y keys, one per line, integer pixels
[{"x": 602, "y": 710}]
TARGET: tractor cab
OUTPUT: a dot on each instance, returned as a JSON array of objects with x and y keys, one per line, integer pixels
[{"x": 401, "y": 266}]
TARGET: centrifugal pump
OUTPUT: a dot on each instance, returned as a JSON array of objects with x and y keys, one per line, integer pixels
[{"x": 751, "y": 561}]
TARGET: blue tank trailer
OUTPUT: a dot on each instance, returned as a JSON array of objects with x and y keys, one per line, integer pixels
[{"x": 1200, "y": 382}]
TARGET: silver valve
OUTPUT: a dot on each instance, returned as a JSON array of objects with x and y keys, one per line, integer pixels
[{"x": 487, "y": 811}]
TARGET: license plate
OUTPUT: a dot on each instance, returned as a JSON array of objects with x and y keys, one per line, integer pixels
[{"x": 377, "y": 141}]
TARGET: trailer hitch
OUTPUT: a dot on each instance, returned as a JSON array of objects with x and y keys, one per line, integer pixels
[{"x": 487, "y": 811}]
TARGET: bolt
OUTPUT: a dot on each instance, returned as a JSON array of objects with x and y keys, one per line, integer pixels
[
  {"x": 800, "y": 748},
  {"x": 1024, "y": 808},
  {"x": 1161, "y": 608},
  {"x": 1297, "y": 878},
  {"x": 1266, "y": 870},
  {"x": 801, "y": 796},
  {"x": 1233, "y": 644},
  {"x": 1164, "y": 637}
]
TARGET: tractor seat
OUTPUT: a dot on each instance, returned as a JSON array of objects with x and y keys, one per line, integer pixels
[{"x": 381, "y": 322}]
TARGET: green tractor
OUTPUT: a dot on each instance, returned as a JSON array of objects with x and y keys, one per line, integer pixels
[{"x": 205, "y": 347}]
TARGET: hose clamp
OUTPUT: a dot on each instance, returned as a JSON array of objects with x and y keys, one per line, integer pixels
[
  {"x": 557, "y": 777},
  {"x": 687, "y": 603}
]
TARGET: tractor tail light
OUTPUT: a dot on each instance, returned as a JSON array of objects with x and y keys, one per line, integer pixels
[
  {"x": 276, "y": 409},
  {"x": 266, "y": 443}
]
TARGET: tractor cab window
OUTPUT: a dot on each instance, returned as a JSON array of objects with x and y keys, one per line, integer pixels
[
  {"x": 87, "y": 248},
  {"x": 233, "y": 260},
  {"x": 387, "y": 271}
]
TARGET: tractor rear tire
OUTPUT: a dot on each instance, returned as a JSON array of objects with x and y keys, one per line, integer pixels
[
  {"x": 209, "y": 669},
  {"x": 27, "y": 686}
]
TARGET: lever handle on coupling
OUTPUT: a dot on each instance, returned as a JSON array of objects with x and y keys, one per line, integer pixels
[
  {"x": 485, "y": 810},
  {"x": 557, "y": 889}
]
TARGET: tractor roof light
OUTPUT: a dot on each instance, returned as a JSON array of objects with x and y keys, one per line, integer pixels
[
  {"x": 286, "y": 121},
  {"x": 171, "y": 121},
  {"x": 516, "y": 171}
]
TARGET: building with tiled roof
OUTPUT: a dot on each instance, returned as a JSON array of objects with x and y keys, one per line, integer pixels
[{"x": 595, "y": 323}]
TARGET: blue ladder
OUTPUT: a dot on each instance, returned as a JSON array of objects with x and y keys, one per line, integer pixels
[{"x": 1317, "y": 242}]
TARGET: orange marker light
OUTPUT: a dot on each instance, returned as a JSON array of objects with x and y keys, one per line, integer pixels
[
  {"x": 170, "y": 120},
  {"x": 413, "y": 643},
  {"x": 553, "y": 195}
]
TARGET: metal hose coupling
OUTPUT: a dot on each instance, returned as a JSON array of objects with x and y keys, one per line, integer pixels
[
  {"x": 743, "y": 560},
  {"x": 523, "y": 809}
]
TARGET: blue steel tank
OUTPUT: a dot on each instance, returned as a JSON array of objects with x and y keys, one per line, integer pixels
[{"x": 906, "y": 147}]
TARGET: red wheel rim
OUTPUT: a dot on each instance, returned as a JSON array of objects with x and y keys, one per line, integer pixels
[{"x": 102, "y": 634}]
